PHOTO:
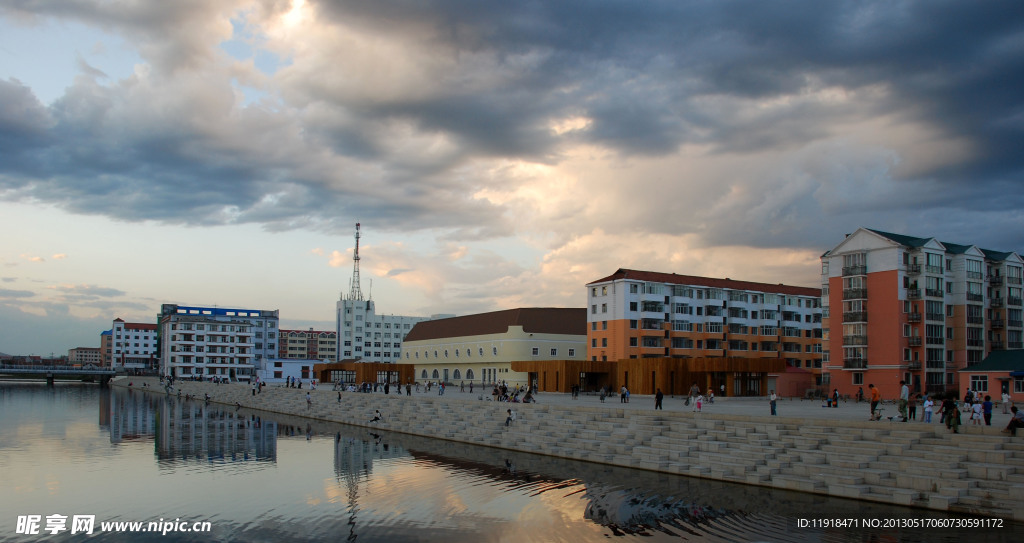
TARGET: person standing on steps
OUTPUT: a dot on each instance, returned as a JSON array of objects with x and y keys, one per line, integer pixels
[
  {"x": 986, "y": 408},
  {"x": 657, "y": 400},
  {"x": 773, "y": 401}
]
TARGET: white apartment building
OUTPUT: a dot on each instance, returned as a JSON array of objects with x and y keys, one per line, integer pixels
[
  {"x": 217, "y": 342},
  {"x": 365, "y": 336},
  {"x": 132, "y": 345}
]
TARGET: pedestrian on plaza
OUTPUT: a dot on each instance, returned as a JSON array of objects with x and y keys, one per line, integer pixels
[
  {"x": 929, "y": 406},
  {"x": 658, "y": 397},
  {"x": 408, "y": 389},
  {"x": 835, "y": 397},
  {"x": 772, "y": 401},
  {"x": 700, "y": 402},
  {"x": 912, "y": 406},
  {"x": 876, "y": 397},
  {"x": 622, "y": 394},
  {"x": 1007, "y": 402},
  {"x": 951, "y": 414},
  {"x": 860, "y": 394},
  {"x": 976, "y": 411},
  {"x": 309, "y": 400},
  {"x": 721, "y": 389},
  {"x": 904, "y": 399},
  {"x": 694, "y": 391},
  {"x": 604, "y": 394},
  {"x": 510, "y": 418},
  {"x": 986, "y": 410}
]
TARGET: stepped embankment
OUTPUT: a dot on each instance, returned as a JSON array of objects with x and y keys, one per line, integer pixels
[{"x": 978, "y": 471}]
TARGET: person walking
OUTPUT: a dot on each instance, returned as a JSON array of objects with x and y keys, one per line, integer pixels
[
  {"x": 986, "y": 408},
  {"x": 658, "y": 397},
  {"x": 773, "y": 401},
  {"x": 875, "y": 398},
  {"x": 912, "y": 406},
  {"x": 1007, "y": 403}
]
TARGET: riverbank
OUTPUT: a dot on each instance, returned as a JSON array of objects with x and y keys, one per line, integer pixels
[{"x": 823, "y": 451}]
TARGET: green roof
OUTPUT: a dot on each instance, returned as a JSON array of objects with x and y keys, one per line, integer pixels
[
  {"x": 955, "y": 248},
  {"x": 995, "y": 255},
  {"x": 1011, "y": 360},
  {"x": 909, "y": 241}
]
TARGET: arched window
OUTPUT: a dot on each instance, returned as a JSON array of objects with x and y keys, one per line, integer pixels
[
  {"x": 481, "y": 351},
  {"x": 446, "y": 353},
  {"x": 494, "y": 351},
  {"x": 436, "y": 375},
  {"x": 435, "y": 354},
  {"x": 469, "y": 374},
  {"x": 456, "y": 356},
  {"x": 457, "y": 374},
  {"x": 423, "y": 375}
]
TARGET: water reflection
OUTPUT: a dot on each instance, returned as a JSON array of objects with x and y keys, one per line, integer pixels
[{"x": 291, "y": 479}]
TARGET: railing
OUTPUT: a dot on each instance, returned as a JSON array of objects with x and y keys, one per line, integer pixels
[
  {"x": 933, "y": 293},
  {"x": 998, "y": 345},
  {"x": 975, "y": 320},
  {"x": 914, "y": 341},
  {"x": 913, "y": 269},
  {"x": 855, "y": 340},
  {"x": 995, "y": 302},
  {"x": 995, "y": 280},
  {"x": 975, "y": 343},
  {"x": 975, "y": 297},
  {"x": 1013, "y": 280},
  {"x": 974, "y": 275},
  {"x": 1015, "y": 345},
  {"x": 914, "y": 366},
  {"x": 914, "y": 293},
  {"x": 854, "y": 293},
  {"x": 913, "y": 317},
  {"x": 936, "y": 270},
  {"x": 855, "y": 363},
  {"x": 997, "y": 323},
  {"x": 1013, "y": 300},
  {"x": 855, "y": 270},
  {"x": 934, "y": 340},
  {"x": 855, "y": 316},
  {"x": 1013, "y": 323},
  {"x": 935, "y": 316}
]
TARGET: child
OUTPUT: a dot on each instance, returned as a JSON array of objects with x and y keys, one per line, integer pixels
[
  {"x": 976, "y": 414},
  {"x": 700, "y": 402}
]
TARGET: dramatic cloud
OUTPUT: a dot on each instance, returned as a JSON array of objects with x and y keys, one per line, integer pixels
[{"x": 508, "y": 152}]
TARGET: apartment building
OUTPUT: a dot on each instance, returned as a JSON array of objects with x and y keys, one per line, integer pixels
[
  {"x": 84, "y": 355},
  {"x": 916, "y": 309},
  {"x": 308, "y": 344},
  {"x": 645, "y": 314},
  {"x": 132, "y": 345},
  {"x": 208, "y": 342},
  {"x": 368, "y": 337}
]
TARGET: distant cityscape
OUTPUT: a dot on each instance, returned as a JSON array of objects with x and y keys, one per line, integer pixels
[{"x": 891, "y": 307}]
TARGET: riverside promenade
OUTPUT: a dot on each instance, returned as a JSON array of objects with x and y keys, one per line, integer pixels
[{"x": 832, "y": 451}]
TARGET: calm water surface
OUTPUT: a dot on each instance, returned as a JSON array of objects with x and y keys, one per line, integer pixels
[{"x": 127, "y": 456}]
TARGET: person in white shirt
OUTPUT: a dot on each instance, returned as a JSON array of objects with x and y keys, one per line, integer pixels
[
  {"x": 929, "y": 406},
  {"x": 1007, "y": 403}
]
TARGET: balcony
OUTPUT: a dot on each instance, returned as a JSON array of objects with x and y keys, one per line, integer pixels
[
  {"x": 997, "y": 323},
  {"x": 1013, "y": 323},
  {"x": 971, "y": 297},
  {"x": 998, "y": 345},
  {"x": 995, "y": 280},
  {"x": 995, "y": 302},
  {"x": 935, "y": 317},
  {"x": 855, "y": 364},
  {"x": 913, "y": 294},
  {"x": 1015, "y": 344},
  {"x": 855, "y": 293},
  {"x": 855, "y": 270},
  {"x": 934, "y": 293},
  {"x": 914, "y": 341},
  {"x": 935, "y": 340},
  {"x": 855, "y": 340},
  {"x": 913, "y": 269},
  {"x": 914, "y": 366},
  {"x": 913, "y": 317},
  {"x": 975, "y": 320},
  {"x": 934, "y": 270},
  {"x": 855, "y": 316},
  {"x": 1013, "y": 280},
  {"x": 975, "y": 275},
  {"x": 975, "y": 343},
  {"x": 1013, "y": 300}
]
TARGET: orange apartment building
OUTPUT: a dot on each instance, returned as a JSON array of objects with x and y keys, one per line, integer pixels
[
  {"x": 643, "y": 314},
  {"x": 899, "y": 307}
]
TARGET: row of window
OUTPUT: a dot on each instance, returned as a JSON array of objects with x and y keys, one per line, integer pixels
[{"x": 468, "y": 352}]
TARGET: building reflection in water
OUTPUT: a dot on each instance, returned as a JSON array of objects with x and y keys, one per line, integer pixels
[{"x": 185, "y": 430}]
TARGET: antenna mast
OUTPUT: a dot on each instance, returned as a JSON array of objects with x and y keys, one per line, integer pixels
[{"x": 356, "y": 293}]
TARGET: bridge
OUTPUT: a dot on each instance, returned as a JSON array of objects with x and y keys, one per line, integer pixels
[{"x": 50, "y": 372}]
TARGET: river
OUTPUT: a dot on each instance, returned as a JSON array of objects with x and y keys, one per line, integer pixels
[{"x": 121, "y": 456}]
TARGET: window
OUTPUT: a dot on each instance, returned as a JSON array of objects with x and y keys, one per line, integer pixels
[
  {"x": 457, "y": 374},
  {"x": 554, "y": 352},
  {"x": 604, "y": 325},
  {"x": 604, "y": 342},
  {"x": 572, "y": 353},
  {"x": 469, "y": 374},
  {"x": 435, "y": 375},
  {"x": 535, "y": 351},
  {"x": 604, "y": 308},
  {"x": 858, "y": 378},
  {"x": 979, "y": 383}
]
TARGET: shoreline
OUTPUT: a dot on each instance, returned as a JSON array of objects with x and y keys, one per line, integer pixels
[{"x": 979, "y": 471}]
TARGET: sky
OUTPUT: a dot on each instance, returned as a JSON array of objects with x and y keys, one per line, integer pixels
[{"x": 497, "y": 154}]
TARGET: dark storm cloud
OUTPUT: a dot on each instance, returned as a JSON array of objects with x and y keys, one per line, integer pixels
[{"x": 649, "y": 77}]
